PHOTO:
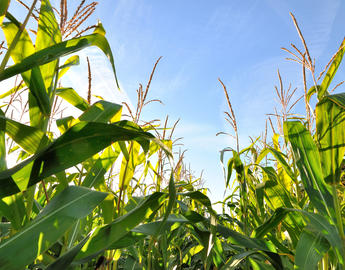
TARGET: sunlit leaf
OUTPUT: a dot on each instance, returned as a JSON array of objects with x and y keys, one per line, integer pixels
[
  {"x": 309, "y": 165},
  {"x": 80, "y": 142},
  {"x": 330, "y": 131}
]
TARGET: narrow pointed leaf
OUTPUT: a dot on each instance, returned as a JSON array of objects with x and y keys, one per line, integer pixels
[
  {"x": 72, "y": 61},
  {"x": 71, "y": 96},
  {"x": 331, "y": 72}
]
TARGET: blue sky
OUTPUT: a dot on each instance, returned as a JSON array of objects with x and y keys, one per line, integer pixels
[{"x": 238, "y": 41}]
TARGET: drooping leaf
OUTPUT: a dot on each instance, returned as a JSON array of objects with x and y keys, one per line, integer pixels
[
  {"x": 252, "y": 243},
  {"x": 201, "y": 198},
  {"x": 71, "y": 96},
  {"x": 56, "y": 218},
  {"x": 281, "y": 158},
  {"x": 235, "y": 261},
  {"x": 54, "y": 52},
  {"x": 72, "y": 61},
  {"x": 322, "y": 90},
  {"x": 80, "y": 142}
]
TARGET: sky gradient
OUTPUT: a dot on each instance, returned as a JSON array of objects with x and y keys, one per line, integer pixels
[{"x": 238, "y": 41}]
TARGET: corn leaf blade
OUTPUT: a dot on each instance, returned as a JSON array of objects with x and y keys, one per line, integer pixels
[
  {"x": 62, "y": 211},
  {"x": 308, "y": 163},
  {"x": 80, "y": 142},
  {"x": 330, "y": 131}
]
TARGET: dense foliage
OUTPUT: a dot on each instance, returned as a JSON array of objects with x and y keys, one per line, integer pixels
[{"x": 99, "y": 192}]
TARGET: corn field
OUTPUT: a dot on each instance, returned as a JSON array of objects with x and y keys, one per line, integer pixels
[{"x": 105, "y": 189}]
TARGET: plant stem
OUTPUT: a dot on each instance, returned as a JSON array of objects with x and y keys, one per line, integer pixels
[
  {"x": 45, "y": 191},
  {"x": 16, "y": 38}
]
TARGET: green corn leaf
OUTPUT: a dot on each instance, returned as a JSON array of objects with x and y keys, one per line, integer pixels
[
  {"x": 65, "y": 123},
  {"x": 106, "y": 236},
  {"x": 71, "y": 96},
  {"x": 308, "y": 163},
  {"x": 67, "y": 258},
  {"x": 101, "y": 166},
  {"x": 102, "y": 111},
  {"x": 80, "y": 142},
  {"x": 72, "y": 61},
  {"x": 281, "y": 158},
  {"x": 322, "y": 91},
  {"x": 53, "y": 221},
  {"x": 31, "y": 75},
  {"x": 271, "y": 223},
  {"x": 54, "y": 52},
  {"x": 3, "y": 8},
  {"x": 330, "y": 133},
  {"x": 13, "y": 208},
  {"x": 128, "y": 240},
  {"x": 235, "y": 261},
  {"x": 29, "y": 138},
  {"x": 48, "y": 34},
  {"x": 321, "y": 225},
  {"x": 153, "y": 228},
  {"x": 311, "y": 92},
  {"x": 201, "y": 198},
  {"x": 310, "y": 249},
  {"x": 252, "y": 243}
]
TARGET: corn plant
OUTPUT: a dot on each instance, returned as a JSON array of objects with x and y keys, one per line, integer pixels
[
  {"x": 293, "y": 200},
  {"x": 52, "y": 215}
]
